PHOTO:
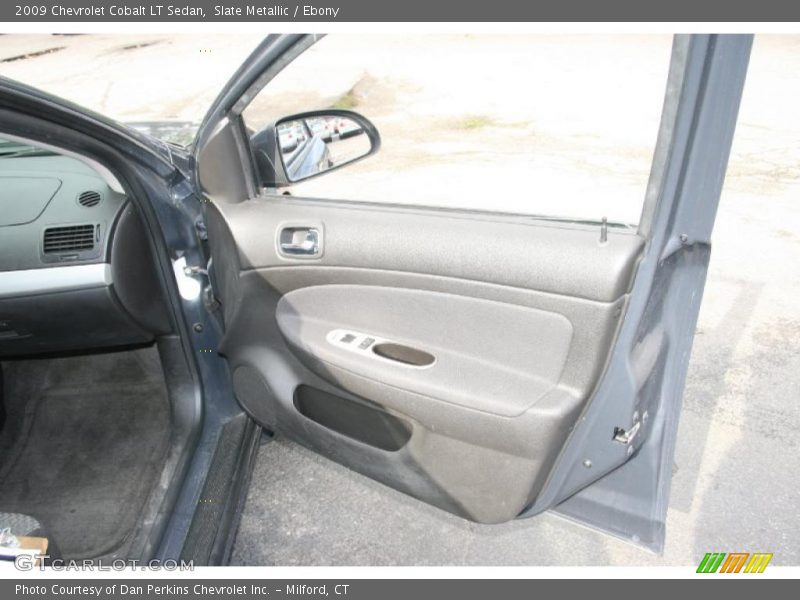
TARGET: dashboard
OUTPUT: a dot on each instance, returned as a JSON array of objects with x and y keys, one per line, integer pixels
[{"x": 76, "y": 270}]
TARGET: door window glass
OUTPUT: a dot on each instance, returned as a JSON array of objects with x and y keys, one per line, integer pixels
[{"x": 551, "y": 125}]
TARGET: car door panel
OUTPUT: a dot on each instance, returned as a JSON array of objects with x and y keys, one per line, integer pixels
[
  {"x": 475, "y": 353},
  {"x": 521, "y": 252},
  {"x": 518, "y": 343},
  {"x": 550, "y": 355}
]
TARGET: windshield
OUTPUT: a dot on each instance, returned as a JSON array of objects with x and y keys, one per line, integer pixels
[
  {"x": 161, "y": 84},
  {"x": 10, "y": 149}
]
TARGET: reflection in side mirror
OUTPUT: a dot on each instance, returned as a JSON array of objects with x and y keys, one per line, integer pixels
[{"x": 314, "y": 143}]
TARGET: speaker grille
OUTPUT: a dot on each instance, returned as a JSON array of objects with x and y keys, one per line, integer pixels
[
  {"x": 71, "y": 238},
  {"x": 89, "y": 199}
]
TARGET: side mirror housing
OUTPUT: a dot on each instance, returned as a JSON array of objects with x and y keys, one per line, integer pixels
[{"x": 305, "y": 145}]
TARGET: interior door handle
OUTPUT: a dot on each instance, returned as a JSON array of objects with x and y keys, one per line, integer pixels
[{"x": 299, "y": 241}]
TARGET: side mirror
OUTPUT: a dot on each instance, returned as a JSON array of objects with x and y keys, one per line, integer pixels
[{"x": 302, "y": 146}]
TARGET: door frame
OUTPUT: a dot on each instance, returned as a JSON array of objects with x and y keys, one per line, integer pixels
[{"x": 623, "y": 489}]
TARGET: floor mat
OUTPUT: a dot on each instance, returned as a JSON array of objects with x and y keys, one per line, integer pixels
[{"x": 83, "y": 445}]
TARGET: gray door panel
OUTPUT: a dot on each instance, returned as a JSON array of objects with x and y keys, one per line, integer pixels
[
  {"x": 487, "y": 356},
  {"x": 546, "y": 366},
  {"x": 518, "y": 339},
  {"x": 522, "y": 252}
]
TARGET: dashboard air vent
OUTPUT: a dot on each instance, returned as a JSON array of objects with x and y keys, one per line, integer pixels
[
  {"x": 71, "y": 238},
  {"x": 89, "y": 199}
]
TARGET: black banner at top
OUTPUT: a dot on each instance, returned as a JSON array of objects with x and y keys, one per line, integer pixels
[{"x": 398, "y": 11}]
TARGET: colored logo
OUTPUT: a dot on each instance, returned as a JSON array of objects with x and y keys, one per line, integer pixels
[{"x": 734, "y": 562}]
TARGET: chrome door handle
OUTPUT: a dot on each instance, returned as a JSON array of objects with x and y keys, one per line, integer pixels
[{"x": 299, "y": 241}]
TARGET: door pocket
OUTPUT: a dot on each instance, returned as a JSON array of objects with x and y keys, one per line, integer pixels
[{"x": 357, "y": 420}]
